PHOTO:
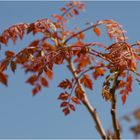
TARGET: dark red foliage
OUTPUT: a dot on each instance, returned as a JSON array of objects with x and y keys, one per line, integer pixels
[{"x": 59, "y": 45}]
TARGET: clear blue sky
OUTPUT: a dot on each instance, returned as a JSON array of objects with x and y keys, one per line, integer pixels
[{"x": 24, "y": 116}]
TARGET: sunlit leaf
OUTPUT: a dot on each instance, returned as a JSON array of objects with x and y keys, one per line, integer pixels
[
  {"x": 97, "y": 31},
  {"x": 87, "y": 81}
]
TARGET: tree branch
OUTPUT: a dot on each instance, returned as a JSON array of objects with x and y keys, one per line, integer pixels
[
  {"x": 86, "y": 102},
  {"x": 113, "y": 108},
  {"x": 86, "y": 29}
]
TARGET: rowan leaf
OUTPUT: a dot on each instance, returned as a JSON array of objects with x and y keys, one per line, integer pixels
[
  {"x": 81, "y": 36},
  {"x": 87, "y": 81},
  {"x": 123, "y": 99},
  {"x": 74, "y": 11},
  {"x": 34, "y": 43},
  {"x": 66, "y": 111},
  {"x": 65, "y": 84},
  {"x": 97, "y": 31},
  {"x": 31, "y": 80},
  {"x": 64, "y": 104},
  {"x": 49, "y": 73},
  {"x": 4, "y": 64},
  {"x": 98, "y": 72},
  {"x": 36, "y": 89},
  {"x": 79, "y": 93},
  {"x": 44, "y": 82},
  {"x": 72, "y": 107},
  {"x": 9, "y": 54},
  {"x": 75, "y": 100},
  {"x": 106, "y": 95},
  {"x": 63, "y": 96},
  {"x": 3, "y": 79}
]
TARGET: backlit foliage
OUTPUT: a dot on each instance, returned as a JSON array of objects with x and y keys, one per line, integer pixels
[{"x": 41, "y": 55}]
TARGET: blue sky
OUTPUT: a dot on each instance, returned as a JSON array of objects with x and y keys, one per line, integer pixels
[{"x": 24, "y": 116}]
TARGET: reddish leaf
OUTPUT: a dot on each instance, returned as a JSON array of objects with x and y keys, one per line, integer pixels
[
  {"x": 75, "y": 100},
  {"x": 123, "y": 99},
  {"x": 63, "y": 9},
  {"x": 97, "y": 31},
  {"x": 36, "y": 89},
  {"x": 30, "y": 28},
  {"x": 64, "y": 104},
  {"x": 87, "y": 81},
  {"x": 129, "y": 83},
  {"x": 4, "y": 64},
  {"x": 79, "y": 93},
  {"x": 34, "y": 43},
  {"x": 74, "y": 11},
  {"x": 121, "y": 84},
  {"x": 9, "y": 54},
  {"x": 3, "y": 40},
  {"x": 49, "y": 73},
  {"x": 98, "y": 72},
  {"x": 114, "y": 30},
  {"x": 63, "y": 96},
  {"x": 44, "y": 82},
  {"x": 66, "y": 111},
  {"x": 32, "y": 79},
  {"x": 72, "y": 107},
  {"x": 81, "y": 36},
  {"x": 106, "y": 95},
  {"x": 3, "y": 79},
  {"x": 65, "y": 84}
]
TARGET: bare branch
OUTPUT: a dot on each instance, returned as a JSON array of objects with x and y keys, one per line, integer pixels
[
  {"x": 86, "y": 102},
  {"x": 113, "y": 108}
]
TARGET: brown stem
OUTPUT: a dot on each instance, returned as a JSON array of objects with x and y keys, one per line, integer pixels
[
  {"x": 113, "y": 108},
  {"x": 86, "y": 102}
]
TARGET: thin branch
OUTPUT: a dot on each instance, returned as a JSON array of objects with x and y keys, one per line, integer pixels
[
  {"x": 86, "y": 102},
  {"x": 113, "y": 108},
  {"x": 84, "y": 30}
]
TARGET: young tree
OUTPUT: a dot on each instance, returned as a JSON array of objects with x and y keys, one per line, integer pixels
[{"x": 117, "y": 63}]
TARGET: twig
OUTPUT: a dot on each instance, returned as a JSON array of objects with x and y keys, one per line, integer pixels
[
  {"x": 63, "y": 14},
  {"x": 86, "y": 102}
]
